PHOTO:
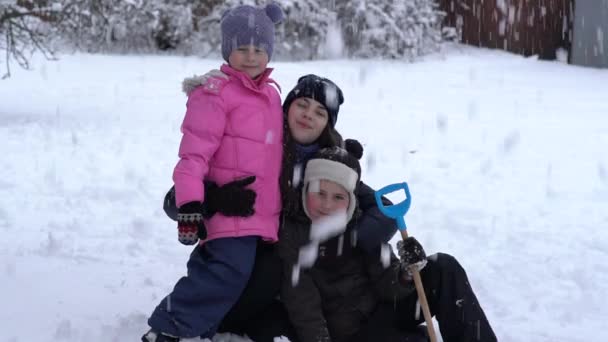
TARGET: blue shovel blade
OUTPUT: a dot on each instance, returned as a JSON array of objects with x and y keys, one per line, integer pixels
[{"x": 395, "y": 211}]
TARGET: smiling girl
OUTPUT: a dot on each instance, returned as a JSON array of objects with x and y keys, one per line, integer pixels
[{"x": 232, "y": 129}]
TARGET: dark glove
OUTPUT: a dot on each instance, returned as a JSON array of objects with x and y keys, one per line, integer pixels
[
  {"x": 410, "y": 253},
  {"x": 230, "y": 199},
  {"x": 190, "y": 226}
]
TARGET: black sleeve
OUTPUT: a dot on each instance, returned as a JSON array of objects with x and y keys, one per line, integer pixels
[
  {"x": 373, "y": 228},
  {"x": 169, "y": 204},
  {"x": 302, "y": 299},
  {"x": 386, "y": 280},
  {"x": 303, "y": 303}
]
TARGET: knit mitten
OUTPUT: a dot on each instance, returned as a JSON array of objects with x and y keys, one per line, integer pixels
[
  {"x": 190, "y": 226},
  {"x": 411, "y": 254}
]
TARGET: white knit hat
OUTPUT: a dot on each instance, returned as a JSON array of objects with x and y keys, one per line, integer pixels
[{"x": 338, "y": 165}]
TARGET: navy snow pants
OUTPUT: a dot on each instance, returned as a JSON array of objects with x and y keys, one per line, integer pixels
[{"x": 217, "y": 274}]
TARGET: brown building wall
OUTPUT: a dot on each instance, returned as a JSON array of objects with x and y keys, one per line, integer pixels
[{"x": 527, "y": 27}]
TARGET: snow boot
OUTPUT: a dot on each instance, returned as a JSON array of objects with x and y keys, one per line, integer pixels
[{"x": 152, "y": 336}]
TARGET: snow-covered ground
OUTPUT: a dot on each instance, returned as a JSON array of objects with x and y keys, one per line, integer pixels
[{"x": 506, "y": 157}]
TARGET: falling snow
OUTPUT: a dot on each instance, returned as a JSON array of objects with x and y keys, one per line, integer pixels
[{"x": 328, "y": 227}]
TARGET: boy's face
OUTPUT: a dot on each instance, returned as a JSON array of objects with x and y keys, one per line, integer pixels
[
  {"x": 307, "y": 119},
  {"x": 249, "y": 59},
  {"x": 329, "y": 199}
]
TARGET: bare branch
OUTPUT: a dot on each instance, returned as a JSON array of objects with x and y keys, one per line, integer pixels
[{"x": 24, "y": 31}]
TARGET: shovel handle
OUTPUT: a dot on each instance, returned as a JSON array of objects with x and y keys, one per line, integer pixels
[
  {"x": 397, "y": 212},
  {"x": 424, "y": 304}
]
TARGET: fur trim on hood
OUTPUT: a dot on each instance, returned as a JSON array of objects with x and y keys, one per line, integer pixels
[{"x": 191, "y": 83}]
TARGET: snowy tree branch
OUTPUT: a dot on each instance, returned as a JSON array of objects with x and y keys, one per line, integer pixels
[{"x": 24, "y": 33}]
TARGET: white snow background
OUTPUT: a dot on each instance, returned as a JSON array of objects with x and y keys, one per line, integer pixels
[{"x": 506, "y": 158}]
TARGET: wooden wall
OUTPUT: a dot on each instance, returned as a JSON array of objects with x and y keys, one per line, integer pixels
[{"x": 527, "y": 27}]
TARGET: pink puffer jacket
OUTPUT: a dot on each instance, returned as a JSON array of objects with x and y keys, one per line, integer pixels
[{"x": 233, "y": 129}]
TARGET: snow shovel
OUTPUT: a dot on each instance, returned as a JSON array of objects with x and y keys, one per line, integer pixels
[{"x": 397, "y": 212}]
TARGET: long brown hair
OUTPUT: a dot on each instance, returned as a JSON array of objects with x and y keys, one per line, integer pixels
[{"x": 290, "y": 194}]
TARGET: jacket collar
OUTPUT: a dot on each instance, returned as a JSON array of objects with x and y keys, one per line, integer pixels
[{"x": 255, "y": 85}]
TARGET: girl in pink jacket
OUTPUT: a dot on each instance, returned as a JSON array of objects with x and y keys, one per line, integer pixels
[{"x": 233, "y": 129}]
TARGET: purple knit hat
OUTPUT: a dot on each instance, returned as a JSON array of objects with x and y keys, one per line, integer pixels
[{"x": 244, "y": 25}]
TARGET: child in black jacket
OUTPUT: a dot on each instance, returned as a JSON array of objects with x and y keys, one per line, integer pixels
[{"x": 333, "y": 291}]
